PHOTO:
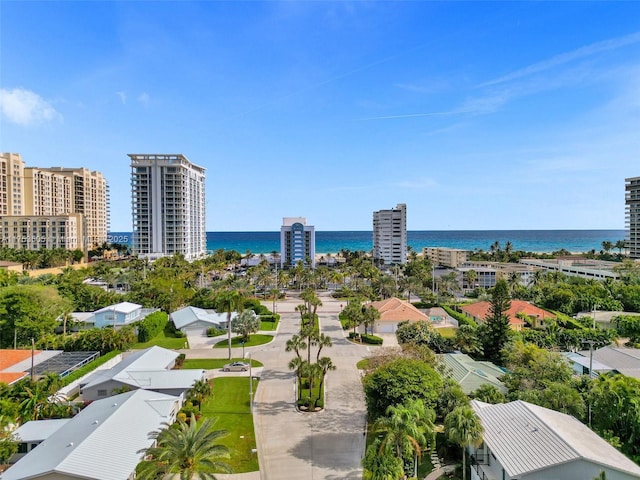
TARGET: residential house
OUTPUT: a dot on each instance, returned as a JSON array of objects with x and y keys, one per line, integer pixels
[
  {"x": 522, "y": 441},
  {"x": 148, "y": 369},
  {"x": 105, "y": 441},
  {"x": 123, "y": 313},
  {"x": 392, "y": 312},
  {"x": 31, "y": 434},
  {"x": 607, "y": 359},
  {"x": 471, "y": 374},
  {"x": 519, "y": 309},
  {"x": 197, "y": 320}
]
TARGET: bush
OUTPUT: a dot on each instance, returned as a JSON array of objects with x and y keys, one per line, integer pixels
[
  {"x": 366, "y": 338},
  {"x": 270, "y": 317},
  {"x": 180, "y": 360},
  {"x": 214, "y": 332},
  {"x": 151, "y": 326},
  {"x": 89, "y": 367},
  {"x": 423, "y": 304},
  {"x": 460, "y": 317}
]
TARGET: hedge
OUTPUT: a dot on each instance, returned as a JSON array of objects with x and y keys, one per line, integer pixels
[
  {"x": 366, "y": 338},
  {"x": 568, "y": 321},
  {"x": 460, "y": 317},
  {"x": 214, "y": 332},
  {"x": 151, "y": 326},
  {"x": 89, "y": 367},
  {"x": 270, "y": 317}
]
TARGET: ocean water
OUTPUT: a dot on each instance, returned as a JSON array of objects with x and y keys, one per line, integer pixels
[{"x": 333, "y": 242}]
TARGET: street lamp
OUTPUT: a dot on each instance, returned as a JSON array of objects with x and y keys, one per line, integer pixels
[{"x": 250, "y": 386}]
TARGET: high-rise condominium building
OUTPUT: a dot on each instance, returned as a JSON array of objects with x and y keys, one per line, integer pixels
[
  {"x": 167, "y": 206},
  {"x": 11, "y": 184},
  {"x": 297, "y": 242},
  {"x": 632, "y": 201},
  {"x": 58, "y": 192},
  {"x": 390, "y": 235}
]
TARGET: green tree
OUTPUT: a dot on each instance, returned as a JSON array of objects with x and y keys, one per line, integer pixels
[
  {"x": 187, "y": 451},
  {"x": 488, "y": 393},
  {"x": 463, "y": 427},
  {"x": 467, "y": 340},
  {"x": 381, "y": 463},
  {"x": 400, "y": 380},
  {"x": 495, "y": 331},
  {"x": 246, "y": 323},
  {"x": 406, "y": 429},
  {"x": 229, "y": 301}
]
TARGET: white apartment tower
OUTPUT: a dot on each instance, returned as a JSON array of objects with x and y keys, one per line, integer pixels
[
  {"x": 167, "y": 206},
  {"x": 297, "y": 242},
  {"x": 632, "y": 202},
  {"x": 390, "y": 235}
]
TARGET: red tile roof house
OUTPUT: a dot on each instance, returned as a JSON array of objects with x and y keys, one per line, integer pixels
[
  {"x": 10, "y": 358},
  {"x": 393, "y": 311},
  {"x": 479, "y": 311}
]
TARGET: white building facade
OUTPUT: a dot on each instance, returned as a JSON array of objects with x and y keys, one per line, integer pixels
[
  {"x": 297, "y": 242},
  {"x": 167, "y": 206},
  {"x": 632, "y": 203},
  {"x": 390, "y": 235}
]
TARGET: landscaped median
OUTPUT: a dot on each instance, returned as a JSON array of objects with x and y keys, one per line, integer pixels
[{"x": 236, "y": 342}]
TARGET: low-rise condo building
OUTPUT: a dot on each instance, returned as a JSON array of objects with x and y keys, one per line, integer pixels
[{"x": 446, "y": 257}]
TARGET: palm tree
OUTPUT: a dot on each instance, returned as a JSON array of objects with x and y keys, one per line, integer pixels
[
  {"x": 230, "y": 301},
  {"x": 297, "y": 364},
  {"x": 185, "y": 451},
  {"x": 470, "y": 277},
  {"x": 322, "y": 341},
  {"x": 370, "y": 315},
  {"x": 406, "y": 428},
  {"x": 295, "y": 344},
  {"x": 326, "y": 365},
  {"x": 199, "y": 391},
  {"x": 464, "y": 428}
]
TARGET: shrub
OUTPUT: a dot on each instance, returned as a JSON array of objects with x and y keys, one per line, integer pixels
[
  {"x": 270, "y": 317},
  {"x": 460, "y": 317},
  {"x": 180, "y": 360},
  {"x": 214, "y": 332},
  {"x": 89, "y": 367},
  {"x": 151, "y": 326},
  {"x": 366, "y": 338}
]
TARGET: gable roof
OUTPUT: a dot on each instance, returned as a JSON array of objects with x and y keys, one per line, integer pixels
[
  {"x": 153, "y": 358},
  {"x": 395, "y": 310},
  {"x": 189, "y": 315},
  {"x": 526, "y": 438},
  {"x": 102, "y": 442},
  {"x": 122, "y": 307},
  {"x": 470, "y": 374},
  {"x": 38, "y": 430},
  {"x": 623, "y": 360},
  {"x": 480, "y": 311}
]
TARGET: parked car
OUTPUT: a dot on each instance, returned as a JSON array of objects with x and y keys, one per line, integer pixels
[{"x": 236, "y": 367}]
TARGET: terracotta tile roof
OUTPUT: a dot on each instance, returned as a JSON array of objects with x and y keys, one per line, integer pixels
[
  {"x": 480, "y": 311},
  {"x": 9, "y": 358},
  {"x": 395, "y": 310},
  {"x": 10, "y": 377}
]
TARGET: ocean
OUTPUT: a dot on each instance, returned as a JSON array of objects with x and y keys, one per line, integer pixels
[{"x": 333, "y": 242}]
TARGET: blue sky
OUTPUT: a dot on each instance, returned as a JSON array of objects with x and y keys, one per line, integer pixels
[{"x": 496, "y": 115}]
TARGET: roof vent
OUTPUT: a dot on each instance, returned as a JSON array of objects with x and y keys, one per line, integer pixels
[
  {"x": 70, "y": 444},
  {"x": 114, "y": 405},
  {"x": 95, "y": 422}
]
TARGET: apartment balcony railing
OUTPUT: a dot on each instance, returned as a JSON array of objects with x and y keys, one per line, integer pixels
[{"x": 477, "y": 460}]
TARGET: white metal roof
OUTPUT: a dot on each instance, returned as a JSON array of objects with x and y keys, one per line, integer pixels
[
  {"x": 161, "y": 379},
  {"x": 122, "y": 307},
  {"x": 188, "y": 315},
  {"x": 103, "y": 442},
  {"x": 38, "y": 430},
  {"x": 153, "y": 358},
  {"x": 526, "y": 438}
]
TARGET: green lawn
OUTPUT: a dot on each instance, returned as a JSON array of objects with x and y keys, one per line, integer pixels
[
  {"x": 447, "y": 332},
  {"x": 164, "y": 339},
  {"x": 255, "y": 339},
  {"x": 363, "y": 364},
  {"x": 268, "y": 326},
  {"x": 213, "y": 363},
  {"x": 229, "y": 404}
]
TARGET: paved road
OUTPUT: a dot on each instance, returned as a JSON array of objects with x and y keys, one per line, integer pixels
[{"x": 326, "y": 445}]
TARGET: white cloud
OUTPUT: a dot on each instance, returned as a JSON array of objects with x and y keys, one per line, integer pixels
[
  {"x": 123, "y": 97},
  {"x": 563, "y": 58},
  {"x": 144, "y": 99},
  {"x": 24, "y": 107}
]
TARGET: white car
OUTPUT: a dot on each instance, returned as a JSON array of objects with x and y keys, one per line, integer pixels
[{"x": 236, "y": 367}]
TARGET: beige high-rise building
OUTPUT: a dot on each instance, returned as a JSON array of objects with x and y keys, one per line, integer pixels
[
  {"x": 89, "y": 197},
  {"x": 33, "y": 232},
  {"x": 52, "y": 192},
  {"x": 11, "y": 184}
]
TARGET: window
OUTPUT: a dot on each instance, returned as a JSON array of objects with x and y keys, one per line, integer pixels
[{"x": 102, "y": 393}]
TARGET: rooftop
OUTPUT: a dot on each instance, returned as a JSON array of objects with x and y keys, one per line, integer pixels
[
  {"x": 393, "y": 309},
  {"x": 526, "y": 438}
]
